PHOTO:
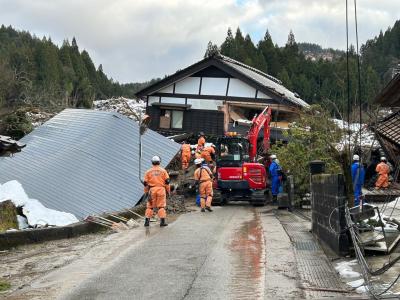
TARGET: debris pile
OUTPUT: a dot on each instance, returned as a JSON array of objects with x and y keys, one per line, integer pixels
[
  {"x": 367, "y": 136},
  {"x": 9, "y": 146},
  {"x": 128, "y": 107},
  {"x": 38, "y": 117},
  {"x": 176, "y": 204},
  {"x": 32, "y": 212}
]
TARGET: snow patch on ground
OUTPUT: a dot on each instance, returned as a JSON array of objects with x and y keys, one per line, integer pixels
[
  {"x": 37, "y": 214},
  {"x": 345, "y": 269},
  {"x": 356, "y": 283},
  {"x": 362, "y": 289}
]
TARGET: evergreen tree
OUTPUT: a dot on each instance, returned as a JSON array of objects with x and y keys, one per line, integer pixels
[
  {"x": 228, "y": 46},
  {"x": 284, "y": 77},
  {"x": 211, "y": 50},
  {"x": 267, "y": 49}
]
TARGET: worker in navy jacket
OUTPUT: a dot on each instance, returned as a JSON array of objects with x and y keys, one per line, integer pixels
[
  {"x": 275, "y": 173},
  {"x": 358, "y": 176}
]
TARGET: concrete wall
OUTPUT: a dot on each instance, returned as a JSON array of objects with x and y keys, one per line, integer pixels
[{"x": 328, "y": 193}]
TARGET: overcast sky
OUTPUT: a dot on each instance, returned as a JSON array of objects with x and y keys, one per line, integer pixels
[{"x": 137, "y": 40}]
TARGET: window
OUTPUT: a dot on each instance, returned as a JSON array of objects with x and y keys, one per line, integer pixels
[
  {"x": 177, "y": 119},
  {"x": 171, "y": 119},
  {"x": 232, "y": 152}
]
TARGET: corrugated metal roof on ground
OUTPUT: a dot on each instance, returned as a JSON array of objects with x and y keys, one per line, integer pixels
[{"x": 85, "y": 162}]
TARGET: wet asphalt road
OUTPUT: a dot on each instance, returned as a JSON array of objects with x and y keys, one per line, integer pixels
[{"x": 218, "y": 255}]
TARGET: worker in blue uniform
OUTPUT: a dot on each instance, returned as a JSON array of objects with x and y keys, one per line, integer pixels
[
  {"x": 275, "y": 173},
  {"x": 358, "y": 176}
]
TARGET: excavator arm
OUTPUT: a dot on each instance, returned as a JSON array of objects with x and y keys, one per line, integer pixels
[{"x": 258, "y": 122}]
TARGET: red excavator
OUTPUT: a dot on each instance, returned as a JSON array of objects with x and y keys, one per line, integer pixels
[{"x": 238, "y": 174}]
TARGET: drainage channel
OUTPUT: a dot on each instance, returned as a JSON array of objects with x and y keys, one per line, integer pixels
[{"x": 318, "y": 278}]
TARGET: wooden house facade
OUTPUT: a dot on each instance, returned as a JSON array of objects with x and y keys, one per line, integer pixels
[{"x": 215, "y": 93}]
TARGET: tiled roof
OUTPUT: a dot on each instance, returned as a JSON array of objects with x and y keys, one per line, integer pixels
[{"x": 264, "y": 79}]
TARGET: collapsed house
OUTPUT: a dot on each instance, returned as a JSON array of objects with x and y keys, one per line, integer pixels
[
  {"x": 85, "y": 162},
  {"x": 216, "y": 94},
  {"x": 8, "y": 146},
  {"x": 387, "y": 132}
]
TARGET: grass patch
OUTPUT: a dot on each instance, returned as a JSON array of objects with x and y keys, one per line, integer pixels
[
  {"x": 4, "y": 285},
  {"x": 8, "y": 216}
]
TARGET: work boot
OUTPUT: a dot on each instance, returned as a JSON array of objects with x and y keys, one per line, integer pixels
[
  {"x": 162, "y": 223},
  {"x": 203, "y": 210},
  {"x": 209, "y": 208},
  {"x": 147, "y": 222}
]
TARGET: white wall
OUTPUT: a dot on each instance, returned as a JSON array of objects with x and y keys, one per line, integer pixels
[
  {"x": 214, "y": 86},
  {"x": 238, "y": 88},
  {"x": 261, "y": 95},
  {"x": 153, "y": 99},
  {"x": 167, "y": 89},
  {"x": 173, "y": 100},
  {"x": 207, "y": 104},
  {"x": 189, "y": 85}
]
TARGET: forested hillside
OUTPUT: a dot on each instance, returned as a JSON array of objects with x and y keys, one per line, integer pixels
[
  {"x": 324, "y": 79},
  {"x": 34, "y": 72},
  {"x": 383, "y": 52}
]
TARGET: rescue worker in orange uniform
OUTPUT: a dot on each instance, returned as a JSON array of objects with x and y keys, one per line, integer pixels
[
  {"x": 203, "y": 177},
  {"x": 201, "y": 141},
  {"x": 208, "y": 153},
  {"x": 383, "y": 171},
  {"x": 156, "y": 183},
  {"x": 186, "y": 154}
]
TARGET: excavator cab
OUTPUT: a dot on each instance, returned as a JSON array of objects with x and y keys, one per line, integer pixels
[{"x": 232, "y": 151}]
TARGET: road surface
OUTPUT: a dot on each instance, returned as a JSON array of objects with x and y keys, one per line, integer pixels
[
  {"x": 218, "y": 255},
  {"x": 235, "y": 252}
]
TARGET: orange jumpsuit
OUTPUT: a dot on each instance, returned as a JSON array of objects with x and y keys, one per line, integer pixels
[
  {"x": 207, "y": 154},
  {"x": 383, "y": 180},
  {"x": 186, "y": 154},
  {"x": 201, "y": 142},
  {"x": 204, "y": 176},
  {"x": 156, "y": 181}
]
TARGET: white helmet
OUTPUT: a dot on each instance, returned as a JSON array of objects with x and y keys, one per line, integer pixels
[
  {"x": 273, "y": 156},
  {"x": 198, "y": 161},
  {"x": 356, "y": 157},
  {"x": 383, "y": 158},
  {"x": 155, "y": 159}
]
